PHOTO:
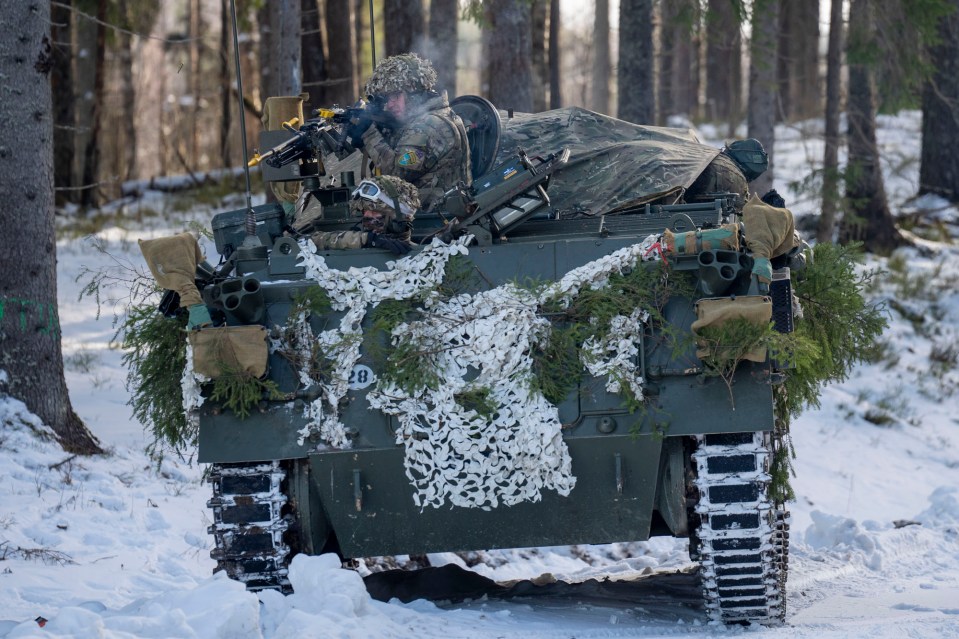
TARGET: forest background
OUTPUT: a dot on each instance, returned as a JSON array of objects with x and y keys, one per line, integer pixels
[{"x": 144, "y": 89}]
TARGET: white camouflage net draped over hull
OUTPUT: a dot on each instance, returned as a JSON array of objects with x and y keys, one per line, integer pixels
[
  {"x": 353, "y": 291},
  {"x": 475, "y": 342}
]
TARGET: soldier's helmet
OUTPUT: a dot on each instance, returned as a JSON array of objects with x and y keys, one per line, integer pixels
[
  {"x": 406, "y": 73},
  {"x": 393, "y": 197},
  {"x": 750, "y": 156}
]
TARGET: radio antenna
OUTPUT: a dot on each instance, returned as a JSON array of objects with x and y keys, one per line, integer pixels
[
  {"x": 250, "y": 215},
  {"x": 372, "y": 35}
]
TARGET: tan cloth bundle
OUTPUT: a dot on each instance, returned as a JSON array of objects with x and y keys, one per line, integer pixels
[
  {"x": 770, "y": 230},
  {"x": 714, "y": 312},
  {"x": 229, "y": 350},
  {"x": 173, "y": 260},
  {"x": 693, "y": 242}
]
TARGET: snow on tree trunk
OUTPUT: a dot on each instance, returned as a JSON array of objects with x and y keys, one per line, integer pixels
[{"x": 30, "y": 351}]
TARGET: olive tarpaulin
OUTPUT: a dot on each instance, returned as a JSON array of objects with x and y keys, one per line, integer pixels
[{"x": 613, "y": 164}]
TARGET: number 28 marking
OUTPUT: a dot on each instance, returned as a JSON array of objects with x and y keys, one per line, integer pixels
[{"x": 360, "y": 377}]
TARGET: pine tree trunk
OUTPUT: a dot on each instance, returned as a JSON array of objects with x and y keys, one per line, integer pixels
[
  {"x": 265, "y": 51},
  {"x": 128, "y": 150},
  {"x": 444, "y": 15},
  {"x": 599, "y": 84},
  {"x": 677, "y": 60},
  {"x": 799, "y": 85},
  {"x": 555, "y": 57},
  {"x": 508, "y": 53},
  {"x": 314, "y": 60},
  {"x": 808, "y": 93},
  {"x": 636, "y": 90},
  {"x": 149, "y": 101},
  {"x": 90, "y": 195},
  {"x": 939, "y": 167},
  {"x": 762, "y": 85},
  {"x": 196, "y": 29},
  {"x": 341, "y": 36},
  {"x": 30, "y": 352},
  {"x": 724, "y": 77},
  {"x": 404, "y": 26},
  {"x": 667, "y": 61},
  {"x": 868, "y": 217},
  {"x": 830, "y": 165},
  {"x": 285, "y": 53},
  {"x": 64, "y": 116},
  {"x": 227, "y": 99},
  {"x": 540, "y": 9}
]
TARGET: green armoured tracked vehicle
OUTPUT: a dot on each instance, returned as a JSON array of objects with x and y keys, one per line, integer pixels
[{"x": 528, "y": 376}]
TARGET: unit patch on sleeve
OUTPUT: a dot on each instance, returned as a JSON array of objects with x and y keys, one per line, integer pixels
[{"x": 411, "y": 158}]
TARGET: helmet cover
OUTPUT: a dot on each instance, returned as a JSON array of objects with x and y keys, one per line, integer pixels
[
  {"x": 406, "y": 73},
  {"x": 405, "y": 193}
]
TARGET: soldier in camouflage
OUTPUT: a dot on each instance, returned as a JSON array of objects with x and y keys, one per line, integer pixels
[
  {"x": 386, "y": 206},
  {"x": 427, "y": 146},
  {"x": 738, "y": 164}
]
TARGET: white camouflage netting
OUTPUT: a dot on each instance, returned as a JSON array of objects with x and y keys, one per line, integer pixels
[{"x": 474, "y": 342}]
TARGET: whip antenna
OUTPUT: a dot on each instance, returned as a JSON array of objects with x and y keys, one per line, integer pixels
[
  {"x": 372, "y": 35},
  {"x": 250, "y": 215}
]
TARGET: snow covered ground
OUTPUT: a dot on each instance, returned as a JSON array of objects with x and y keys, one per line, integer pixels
[{"x": 116, "y": 546}]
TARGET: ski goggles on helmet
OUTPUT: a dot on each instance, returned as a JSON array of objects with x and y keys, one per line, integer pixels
[{"x": 370, "y": 191}]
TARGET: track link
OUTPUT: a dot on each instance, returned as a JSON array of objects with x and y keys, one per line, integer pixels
[
  {"x": 743, "y": 538},
  {"x": 249, "y": 523}
]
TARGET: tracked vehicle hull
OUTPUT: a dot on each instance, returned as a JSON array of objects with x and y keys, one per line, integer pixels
[
  {"x": 691, "y": 463},
  {"x": 354, "y": 453}
]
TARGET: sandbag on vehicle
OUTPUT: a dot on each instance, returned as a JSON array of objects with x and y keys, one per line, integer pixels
[
  {"x": 229, "y": 350},
  {"x": 714, "y": 312}
]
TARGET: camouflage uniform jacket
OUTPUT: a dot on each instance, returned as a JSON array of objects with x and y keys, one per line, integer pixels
[
  {"x": 325, "y": 240},
  {"x": 429, "y": 150},
  {"x": 722, "y": 175},
  {"x": 352, "y": 239}
]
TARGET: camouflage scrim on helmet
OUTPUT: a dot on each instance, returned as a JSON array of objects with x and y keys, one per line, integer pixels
[
  {"x": 406, "y": 73},
  {"x": 406, "y": 194}
]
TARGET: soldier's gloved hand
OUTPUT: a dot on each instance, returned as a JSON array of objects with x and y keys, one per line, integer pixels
[
  {"x": 199, "y": 316},
  {"x": 376, "y": 240},
  {"x": 356, "y": 128}
]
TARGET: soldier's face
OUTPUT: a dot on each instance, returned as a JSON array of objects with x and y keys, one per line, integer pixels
[
  {"x": 373, "y": 221},
  {"x": 396, "y": 104}
]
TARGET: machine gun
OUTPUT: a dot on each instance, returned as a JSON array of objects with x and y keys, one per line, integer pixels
[
  {"x": 326, "y": 133},
  {"x": 500, "y": 200}
]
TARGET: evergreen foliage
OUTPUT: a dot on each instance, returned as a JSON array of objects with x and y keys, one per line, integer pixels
[
  {"x": 155, "y": 356},
  {"x": 557, "y": 368},
  {"x": 240, "y": 391},
  {"x": 478, "y": 400},
  {"x": 837, "y": 320}
]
